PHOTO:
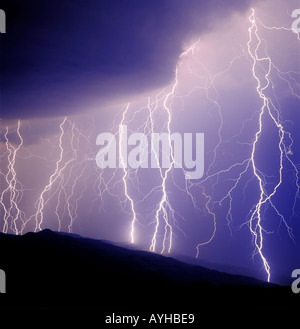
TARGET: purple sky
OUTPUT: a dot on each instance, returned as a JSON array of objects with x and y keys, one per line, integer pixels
[{"x": 88, "y": 60}]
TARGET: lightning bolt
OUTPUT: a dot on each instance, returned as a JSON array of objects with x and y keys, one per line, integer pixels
[
  {"x": 58, "y": 173},
  {"x": 255, "y": 46},
  {"x": 39, "y": 216},
  {"x": 164, "y": 204},
  {"x": 123, "y": 162},
  {"x": 255, "y": 222},
  {"x": 12, "y": 212}
]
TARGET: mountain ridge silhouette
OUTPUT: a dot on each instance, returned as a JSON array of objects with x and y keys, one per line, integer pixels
[{"x": 50, "y": 269}]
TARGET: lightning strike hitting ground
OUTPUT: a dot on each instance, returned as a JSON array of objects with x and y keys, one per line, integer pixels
[
  {"x": 39, "y": 216},
  {"x": 256, "y": 46},
  {"x": 123, "y": 162},
  {"x": 164, "y": 204},
  {"x": 14, "y": 190}
]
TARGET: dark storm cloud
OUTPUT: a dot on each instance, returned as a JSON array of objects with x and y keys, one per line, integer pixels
[{"x": 58, "y": 56}]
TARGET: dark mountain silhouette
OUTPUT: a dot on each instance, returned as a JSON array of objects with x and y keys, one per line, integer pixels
[{"x": 54, "y": 270}]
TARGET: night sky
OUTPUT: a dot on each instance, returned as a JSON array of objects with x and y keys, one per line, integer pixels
[{"x": 71, "y": 69}]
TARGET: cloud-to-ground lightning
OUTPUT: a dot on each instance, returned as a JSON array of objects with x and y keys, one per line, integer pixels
[
  {"x": 72, "y": 167},
  {"x": 123, "y": 163},
  {"x": 60, "y": 187},
  {"x": 11, "y": 195},
  {"x": 164, "y": 203},
  {"x": 41, "y": 202},
  {"x": 269, "y": 108},
  {"x": 261, "y": 67}
]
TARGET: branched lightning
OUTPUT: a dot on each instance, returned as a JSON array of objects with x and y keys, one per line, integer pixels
[
  {"x": 14, "y": 189},
  {"x": 255, "y": 222},
  {"x": 39, "y": 216},
  {"x": 255, "y": 49},
  {"x": 164, "y": 204},
  {"x": 125, "y": 175}
]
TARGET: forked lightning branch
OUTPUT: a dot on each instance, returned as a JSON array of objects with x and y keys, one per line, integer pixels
[{"x": 162, "y": 150}]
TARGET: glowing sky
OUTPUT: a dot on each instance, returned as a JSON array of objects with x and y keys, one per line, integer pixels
[{"x": 77, "y": 69}]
